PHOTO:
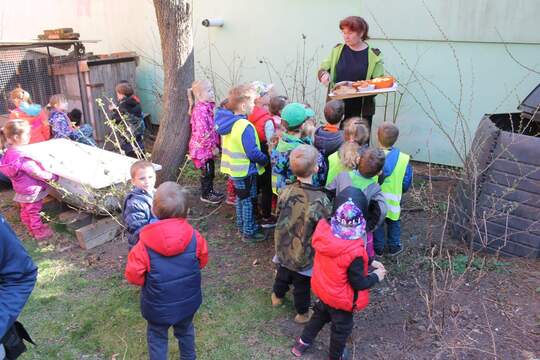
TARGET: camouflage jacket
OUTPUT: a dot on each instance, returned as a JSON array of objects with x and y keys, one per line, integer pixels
[{"x": 300, "y": 207}]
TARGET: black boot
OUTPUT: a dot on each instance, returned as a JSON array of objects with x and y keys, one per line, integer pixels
[{"x": 207, "y": 195}]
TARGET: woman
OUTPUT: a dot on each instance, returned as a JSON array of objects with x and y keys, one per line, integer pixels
[{"x": 352, "y": 61}]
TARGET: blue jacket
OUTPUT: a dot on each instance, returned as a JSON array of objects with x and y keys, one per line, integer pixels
[
  {"x": 225, "y": 120},
  {"x": 17, "y": 276},
  {"x": 390, "y": 163},
  {"x": 137, "y": 213},
  {"x": 166, "y": 262}
]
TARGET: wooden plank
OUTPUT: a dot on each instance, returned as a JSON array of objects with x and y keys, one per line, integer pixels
[
  {"x": 75, "y": 220},
  {"x": 364, "y": 93},
  {"x": 52, "y": 205},
  {"x": 81, "y": 164},
  {"x": 98, "y": 233},
  {"x": 68, "y": 68},
  {"x": 58, "y": 31}
]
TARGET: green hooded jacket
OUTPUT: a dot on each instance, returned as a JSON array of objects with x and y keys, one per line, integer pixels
[{"x": 375, "y": 64}]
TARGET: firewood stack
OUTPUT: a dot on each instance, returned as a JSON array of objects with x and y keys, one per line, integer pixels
[{"x": 59, "y": 34}]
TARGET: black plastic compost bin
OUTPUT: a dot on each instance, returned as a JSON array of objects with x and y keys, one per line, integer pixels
[{"x": 502, "y": 190}]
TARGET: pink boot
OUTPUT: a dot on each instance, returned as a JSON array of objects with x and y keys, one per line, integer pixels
[
  {"x": 31, "y": 211},
  {"x": 231, "y": 194},
  {"x": 43, "y": 233}
]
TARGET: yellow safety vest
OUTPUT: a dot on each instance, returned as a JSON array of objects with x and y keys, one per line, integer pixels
[
  {"x": 234, "y": 161},
  {"x": 360, "y": 182},
  {"x": 335, "y": 167},
  {"x": 392, "y": 188},
  {"x": 274, "y": 184}
]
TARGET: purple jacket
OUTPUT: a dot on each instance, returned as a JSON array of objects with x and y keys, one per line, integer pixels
[{"x": 27, "y": 176}]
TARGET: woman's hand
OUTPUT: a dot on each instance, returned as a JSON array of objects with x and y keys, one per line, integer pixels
[{"x": 325, "y": 78}]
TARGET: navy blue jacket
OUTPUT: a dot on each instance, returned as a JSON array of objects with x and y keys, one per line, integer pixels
[
  {"x": 137, "y": 213},
  {"x": 166, "y": 262},
  {"x": 225, "y": 119},
  {"x": 327, "y": 142},
  {"x": 17, "y": 276}
]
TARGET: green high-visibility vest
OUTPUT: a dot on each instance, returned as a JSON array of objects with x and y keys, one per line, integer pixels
[
  {"x": 392, "y": 187},
  {"x": 234, "y": 161},
  {"x": 335, "y": 167},
  {"x": 360, "y": 182}
]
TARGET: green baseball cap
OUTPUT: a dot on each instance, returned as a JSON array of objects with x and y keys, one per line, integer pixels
[{"x": 295, "y": 114}]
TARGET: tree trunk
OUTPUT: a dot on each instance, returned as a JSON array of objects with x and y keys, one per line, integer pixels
[{"x": 171, "y": 145}]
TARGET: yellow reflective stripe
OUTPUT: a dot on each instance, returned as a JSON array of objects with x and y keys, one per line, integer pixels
[
  {"x": 234, "y": 155},
  {"x": 234, "y": 167},
  {"x": 393, "y": 197},
  {"x": 392, "y": 208},
  {"x": 274, "y": 184}
]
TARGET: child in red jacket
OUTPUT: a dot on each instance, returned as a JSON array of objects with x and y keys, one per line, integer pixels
[
  {"x": 166, "y": 262},
  {"x": 340, "y": 273}
]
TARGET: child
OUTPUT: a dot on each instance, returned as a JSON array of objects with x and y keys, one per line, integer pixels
[
  {"x": 276, "y": 105},
  {"x": 294, "y": 117},
  {"x": 204, "y": 142},
  {"x": 364, "y": 177},
  {"x": 231, "y": 195},
  {"x": 28, "y": 177},
  {"x": 83, "y": 133},
  {"x": 60, "y": 122},
  {"x": 32, "y": 113},
  {"x": 167, "y": 263},
  {"x": 301, "y": 205},
  {"x": 328, "y": 138},
  {"x": 396, "y": 179},
  {"x": 265, "y": 126},
  {"x": 340, "y": 275},
  {"x": 137, "y": 210},
  {"x": 241, "y": 158},
  {"x": 129, "y": 113},
  {"x": 355, "y": 135},
  {"x": 58, "y": 119}
]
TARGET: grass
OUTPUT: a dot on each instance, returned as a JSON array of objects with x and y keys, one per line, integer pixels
[
  {"x": 72, "y": 315},
  {"x": 460, "y": 262}
]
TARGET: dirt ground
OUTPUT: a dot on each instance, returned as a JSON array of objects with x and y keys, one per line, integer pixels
[{"x": 491, "y": 311}]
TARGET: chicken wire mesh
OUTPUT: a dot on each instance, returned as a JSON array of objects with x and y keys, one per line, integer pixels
[{"x": 29, "y": 69}]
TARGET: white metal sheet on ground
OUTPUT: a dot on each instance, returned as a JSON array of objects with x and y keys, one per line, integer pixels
[{"x": 83, "y": 164}]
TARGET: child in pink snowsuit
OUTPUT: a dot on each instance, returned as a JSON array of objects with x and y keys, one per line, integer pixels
[
  {"x": 27, "y": 176},
  {"x": 204, "y": 142}
]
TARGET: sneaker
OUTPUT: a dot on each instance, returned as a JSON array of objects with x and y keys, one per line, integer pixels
[
  {"x": 299, "y": 348},
  {"x": 303, "y": 318},
  {"x": 43, "y": 233},
  {"x": 217, "y": 194},
  {"x": 211, "y": 199},
  {"x": 269, "y": 222},
  {"x": 256, "y": 237},
  {"x": 276, "y": 301},
  {"x": 395, "y": 251},
  {"x": 345, "y": 354}
]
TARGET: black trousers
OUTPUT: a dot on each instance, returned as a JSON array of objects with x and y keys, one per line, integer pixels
[
  {"x": 301, "y": 291},
  {"x": 342, "y": 325},
  {"x": 264, "y": 186},
  {"x": 207, "y": 177}
]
